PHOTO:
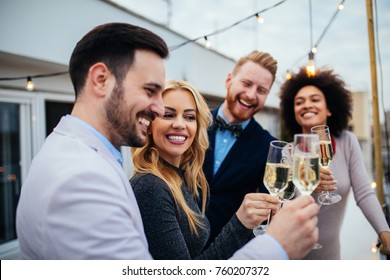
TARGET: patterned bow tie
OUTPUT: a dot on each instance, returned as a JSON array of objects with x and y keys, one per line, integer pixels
[{"x": 221, "y": 125}]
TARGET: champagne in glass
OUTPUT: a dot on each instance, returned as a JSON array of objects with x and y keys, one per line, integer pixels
[
  {"x": 277, "y": 172},
  {"x": 327, "y": 155},
  {"x": 306, "y": 165},
  {"x": 306, "y": 172},
  {"x": 276, "y": 177}
]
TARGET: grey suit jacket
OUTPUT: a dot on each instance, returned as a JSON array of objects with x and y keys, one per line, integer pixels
[{"x": 77, "y": 203}]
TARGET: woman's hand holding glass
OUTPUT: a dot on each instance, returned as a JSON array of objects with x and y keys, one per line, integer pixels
[
  {"x": 255, "y": 208},
  {"x": 326, "y": 156}
]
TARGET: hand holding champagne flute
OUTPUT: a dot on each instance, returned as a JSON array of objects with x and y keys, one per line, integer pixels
[
  {"x": 277, "y": 173},
  {"x": 327, "y": 155}
]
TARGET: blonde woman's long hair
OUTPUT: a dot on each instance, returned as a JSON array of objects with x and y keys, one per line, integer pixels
[{"x": 147, "y": 160}]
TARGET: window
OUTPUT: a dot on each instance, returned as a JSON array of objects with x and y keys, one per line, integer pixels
[
  {"x": 54, "y": 111},
  {"x": 10, "y": 170},
  {"x": 16, "y": 151}
]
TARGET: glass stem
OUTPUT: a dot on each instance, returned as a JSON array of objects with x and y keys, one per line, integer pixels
[{"x": 269, "y": 217}]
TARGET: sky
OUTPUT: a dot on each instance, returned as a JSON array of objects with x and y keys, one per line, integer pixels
[{"x": 288, "y": 34}]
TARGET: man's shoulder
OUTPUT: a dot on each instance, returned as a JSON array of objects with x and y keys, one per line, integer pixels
[{"x": 259, "y": 131}]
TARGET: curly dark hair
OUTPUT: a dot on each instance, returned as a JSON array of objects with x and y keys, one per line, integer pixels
[{"x": 338, "y": 99}]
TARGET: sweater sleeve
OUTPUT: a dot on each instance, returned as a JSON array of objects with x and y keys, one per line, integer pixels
[
  {"x": 365, "y": 196},
  {"x": 162, "y": 226},
  {"x": 234, "y": 236},
  {"x": 160, "y": 219}
]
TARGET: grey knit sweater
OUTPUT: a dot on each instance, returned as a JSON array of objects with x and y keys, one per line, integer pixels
[{"x": 167, "y": 229}]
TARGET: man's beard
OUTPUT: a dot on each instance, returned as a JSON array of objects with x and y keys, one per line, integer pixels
[{"x": 124, "y": 129}]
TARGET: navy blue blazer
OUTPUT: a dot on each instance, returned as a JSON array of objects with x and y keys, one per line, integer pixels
[{"x": 241, "y": 172}]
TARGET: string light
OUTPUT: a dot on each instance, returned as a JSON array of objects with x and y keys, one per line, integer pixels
[
  {"x": 172, "y": 48},
  {"x": 288, "y": 75},
  {"x": 207, "y": 42},
  {"x": 310, "y": 67},
  {"x": 331, "y": 21},
  {"x": 259, "y": 18},
  {"x": 29, "y": 84},
  {"x": 314, "y": 49}
]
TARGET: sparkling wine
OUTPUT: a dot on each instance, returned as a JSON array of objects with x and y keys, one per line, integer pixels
[
  {"x": 326, "y": 153},
  {"x": 276, "y": 177},
  {"x": 288, "y": 192},
  {"x": 306, "y": 173}
]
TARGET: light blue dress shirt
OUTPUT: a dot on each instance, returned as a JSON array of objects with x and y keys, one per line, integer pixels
[
  {"x": 115, "y": 152},
  {"x": 224, "y": 141}
]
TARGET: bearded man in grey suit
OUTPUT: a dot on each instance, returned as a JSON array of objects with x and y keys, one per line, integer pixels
[{"x": 76, "y": 202}]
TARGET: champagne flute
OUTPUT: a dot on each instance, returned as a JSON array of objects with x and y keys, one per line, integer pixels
[
  {"x": 276, "y": 175},
  {"x": 289, "y": 192},
  {"x": 327, "y": 155},
  {"x": 306, "y": 165}
]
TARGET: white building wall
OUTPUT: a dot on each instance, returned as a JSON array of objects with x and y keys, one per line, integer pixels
[
  {"x": 48, "y": 30},
  {"x": 38, "y": 37}
]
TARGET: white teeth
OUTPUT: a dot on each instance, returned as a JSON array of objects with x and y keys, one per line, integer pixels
[
  {"x": 244, "y": 103},
  {"x": 143, "y": 121},
  {"x": 176, "y": 138},
  {"x": 308, "y": 114}
]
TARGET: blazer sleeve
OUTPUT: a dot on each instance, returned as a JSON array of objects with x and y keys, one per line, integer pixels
[{"x": 262, "y": 247}]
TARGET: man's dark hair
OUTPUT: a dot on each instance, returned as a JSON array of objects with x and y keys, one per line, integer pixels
[{"x": 113, "y": 44}]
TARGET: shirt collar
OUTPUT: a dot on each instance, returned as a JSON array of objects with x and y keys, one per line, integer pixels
[
  {"x": 114, "y": 151},
  {"x": 244, "y": 124}
]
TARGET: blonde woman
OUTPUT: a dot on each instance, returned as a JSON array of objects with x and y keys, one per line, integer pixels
[{"x": 171, "y": 188}]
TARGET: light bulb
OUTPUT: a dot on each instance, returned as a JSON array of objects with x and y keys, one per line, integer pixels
[
  {"x": 310, "y": 67},
  {"x": 29, "y": 85},
  {"x": 208, "y": 43},
  {"x": 259, "y": 18},
  {"x": 288, "y": 75}
]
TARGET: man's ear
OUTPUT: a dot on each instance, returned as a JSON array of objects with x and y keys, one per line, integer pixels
[
  {"x": 228, "y": 80},
  {"x": 99, "y": 76}
]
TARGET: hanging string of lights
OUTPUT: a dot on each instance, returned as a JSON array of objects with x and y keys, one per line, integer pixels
[
  {"x": 310, "y": 67},
  {"x": 256, "y": 15},
  {"x": 29, "y": 82},
  {"x": 29, "y": 79}
]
